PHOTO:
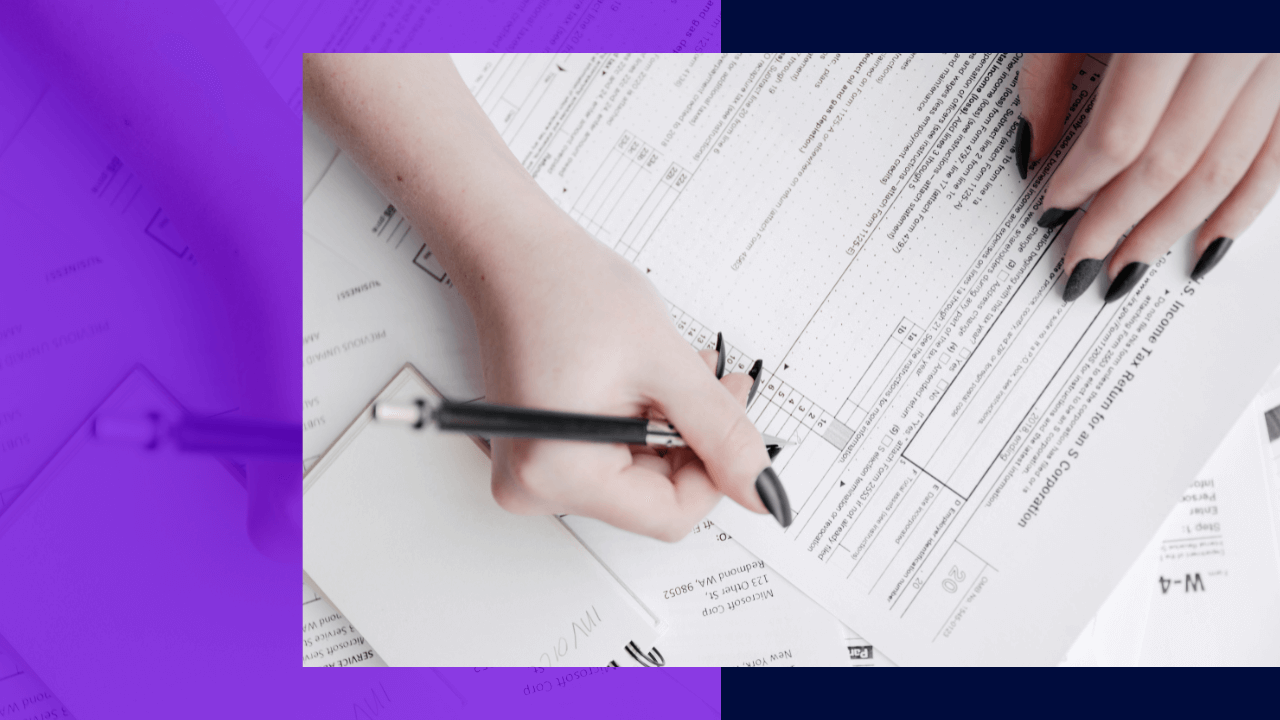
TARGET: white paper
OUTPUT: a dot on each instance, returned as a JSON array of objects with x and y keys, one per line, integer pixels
[
  {"x": 725, "y": 608},
  {"x": 354, "y": 291},
  {"x": 401, "y": 534},
  {"x": 357, "y": 334},
  {"x": 328, "y": 639},
  {"x": 1206, "y": 591},
  {"x": 861, "y": 652},
  {"x": 1270, "y": 404},
  {"x": 1216, "y": 600},
  {"x": 1114, "y": 635}
]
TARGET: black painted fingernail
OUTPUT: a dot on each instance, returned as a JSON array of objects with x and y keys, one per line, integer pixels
[
  {"x": 1125, "y": 281},
  {"x": 774, "y": 496},
  {"x": 773, "y": 450},
  {"x": 1053, "y": 217},
  {"x": 754, "y": 372},
  {"x": 1022, "y": 146},
  {"x": 1081, "y": 278},
  {"x": 1211, "y": 257},
  {"x": 719, "y": 355}
]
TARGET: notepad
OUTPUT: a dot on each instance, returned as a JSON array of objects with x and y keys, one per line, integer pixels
[{"x": 401, "y": 534}]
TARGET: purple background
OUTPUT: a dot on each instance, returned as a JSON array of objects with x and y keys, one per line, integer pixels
[{"x": 150, "y": 225}]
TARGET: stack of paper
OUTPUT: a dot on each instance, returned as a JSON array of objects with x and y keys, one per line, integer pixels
[
  {"x": 402, "y": 535},
  {"x": 1206, "y": 591}
]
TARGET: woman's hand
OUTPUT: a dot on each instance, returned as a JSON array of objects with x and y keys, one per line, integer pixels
[
  {"x": 1172, "y": 140},
  {"x": 572, "y": 326},
  {"x": 564, "y": 322}
]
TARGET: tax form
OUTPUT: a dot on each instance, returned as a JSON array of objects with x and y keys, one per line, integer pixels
[
  {"x": 972, "y": 455},
  {"x": 1206, "y": 591},
  {"x": 725, "y": 608},
  {"x": 1217, "y": 589},
  {"x": 329, "y": 639},
  {"x": 358, "y": 330}
]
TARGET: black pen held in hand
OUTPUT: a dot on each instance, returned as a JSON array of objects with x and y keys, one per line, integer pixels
[{"x": 506, "y": 421}]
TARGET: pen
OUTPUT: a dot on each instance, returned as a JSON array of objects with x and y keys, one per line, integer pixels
[
  {"x": 214, "y": 436},
  {"x": 507, "y": 421}
]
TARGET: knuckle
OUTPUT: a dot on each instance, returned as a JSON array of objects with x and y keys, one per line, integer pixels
[
  {"x": 1219, "y": 174},
  {"x": 736, "y": 445},
  {"x": 1119, "y": 142},
  {"x": 531, "y": 477},
  {"x": 507, "y": 494},
  {"x": 1269, "y": 161},
  {"x": 1164, "y": 166}
]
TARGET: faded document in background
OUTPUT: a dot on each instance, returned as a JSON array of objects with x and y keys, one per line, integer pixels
[
  {"x": 277, "y": 32},
  {"x": 22, "y": 694},
  {"x": 724, "y": 607},
  {"x": 856, "y": 222},
  {"x": 1206, "y": 591},
  {"x": 104, "y": 277},
  {"x": 488, "y": 692},
  {"x": 182, "y": 512},
  {"x": 402, "y": 536}
]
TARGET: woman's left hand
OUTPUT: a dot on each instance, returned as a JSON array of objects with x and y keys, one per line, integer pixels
[{"x": 1172, "y": 140}]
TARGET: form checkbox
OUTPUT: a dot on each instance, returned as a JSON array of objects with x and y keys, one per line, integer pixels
[
  {"x": 942, "y": 385},
  {"x": 964, "y": 352},
  {"x": 1002, "y": 275},
  {"x": 945, "y": 358}
]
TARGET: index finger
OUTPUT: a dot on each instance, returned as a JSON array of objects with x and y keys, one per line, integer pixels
[{"x": 1131, "y": 100}]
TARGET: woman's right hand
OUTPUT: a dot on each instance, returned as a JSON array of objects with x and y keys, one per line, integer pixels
[
  {"x": 567, "y": 324},
  {"x": 564, "y": 322}
]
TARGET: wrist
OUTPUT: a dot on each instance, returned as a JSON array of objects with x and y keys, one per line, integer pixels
[{"x": 513, "y": 250}]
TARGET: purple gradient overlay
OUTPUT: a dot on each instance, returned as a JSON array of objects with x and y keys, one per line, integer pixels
[{"x": 150, "y": 225}]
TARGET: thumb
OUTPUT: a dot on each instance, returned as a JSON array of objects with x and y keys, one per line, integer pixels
[
  {"x": 1044, "y": 90},
  {"x": 715, "y": 425}
]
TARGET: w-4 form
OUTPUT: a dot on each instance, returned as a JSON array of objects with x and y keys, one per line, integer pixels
[{"x": 976, "y": 461}]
